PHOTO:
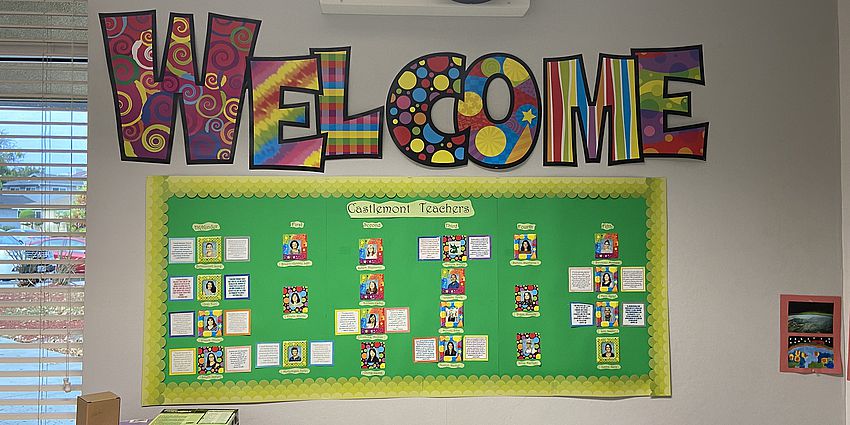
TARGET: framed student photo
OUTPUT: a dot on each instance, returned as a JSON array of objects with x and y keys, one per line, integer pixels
[
  {"x": 294, "y": 353},
  {"x": 294, "y": 247},
  {"x": 606, "y": 279},
  {"x": 525, "y": 246},
  {"x": 372, "y": 320},
  {"x": 372, "y": 286},
  {"x": 607, "y": 314},
  {"x": 810, "y": 334},
  {"x": 451, "y": 314},
  {"x": 526, "y": 298},
  {"x": 454, "y": 248},
  {"x": 209, "y": 249},
  {"x": 210, "y": 360},
  {"x": 608, "y": 350},
  {"x": 209, "y": 287},
  {"x": 372, "y": 355},
  {"x": 607, "y": 245},
  {"x": 210, "y": 323},
  {"x": 451, "y": 349},
  {"x": 528, "y": 346},
  {"x": 371, "y": 251},
  {"x": 453, "y": 281},
  {"x": 295, "y": 299}
]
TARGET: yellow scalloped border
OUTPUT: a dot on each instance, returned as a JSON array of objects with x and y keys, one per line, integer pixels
[{"x": 161, "y": 188}]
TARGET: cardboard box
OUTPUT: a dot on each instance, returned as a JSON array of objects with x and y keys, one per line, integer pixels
[{"x": 98, "y": 409}]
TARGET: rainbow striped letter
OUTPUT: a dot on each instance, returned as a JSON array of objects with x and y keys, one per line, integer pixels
[
  {"x": 354, "y": 136},
  {"x": 612, "y": 110},
  {"x": 269, "y": 149}
]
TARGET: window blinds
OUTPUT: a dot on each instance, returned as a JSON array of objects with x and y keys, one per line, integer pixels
[{"x": 43, "y": 145}]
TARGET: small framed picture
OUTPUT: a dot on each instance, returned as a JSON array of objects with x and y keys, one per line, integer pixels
[
  {"x": 372, "y": 355},
  {"x": 295, "y": 246},
  {"x": 372, "y": 286},
  {"x": 526, "y": 298},
  {"x": 525, "y": 246},
  {"x": 528, "y": 346},
  {"x": 451, "y": 348},
  {"x": 607, "y": 349},
  {"x": 371, "y": 251},
  {"x": 210, "y": 360},
  {"x": 451, "y": 314},
  {"x": 607, "y": 314},
  {"x": 295, "y": 299},
  {"x": 453, "y": 281},
  {"x": 209, "y": 287},
  {"x": 455, "y": 248},
  {"x": 810, "y": 334},
  {"x": 607, "y": 245},
  {"x": 606, "y": 278},
  {"x": 294, "y": 353},
  {"x": 209, "y": 249},
  {"x": 210, "y": 323},
  {"x": 372, "y": 321}
]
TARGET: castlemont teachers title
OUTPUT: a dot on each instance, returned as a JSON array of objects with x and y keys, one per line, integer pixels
[{"x": 418, "y": 208}]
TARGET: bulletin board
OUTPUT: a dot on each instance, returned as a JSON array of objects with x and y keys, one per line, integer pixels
[{"x": 225, "y": 252}]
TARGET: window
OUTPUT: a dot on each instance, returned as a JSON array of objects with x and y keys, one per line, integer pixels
[{"x": 43, "y": 145}]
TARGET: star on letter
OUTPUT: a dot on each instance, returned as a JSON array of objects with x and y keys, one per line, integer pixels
[{"x": 528, "y": 116}]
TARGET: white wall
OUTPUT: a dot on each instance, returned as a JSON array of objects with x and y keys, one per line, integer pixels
[
  {"x": 759, "y": 218},
  {"x": 844, "y": 83}
]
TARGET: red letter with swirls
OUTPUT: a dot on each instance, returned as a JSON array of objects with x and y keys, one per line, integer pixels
[{"x": 146, "y": 106}]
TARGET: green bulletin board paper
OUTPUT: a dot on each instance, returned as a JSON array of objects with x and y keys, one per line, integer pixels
[{"x": 567, "y": 213}]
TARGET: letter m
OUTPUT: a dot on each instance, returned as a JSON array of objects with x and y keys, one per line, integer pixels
[{"x": 570, "y": 110}]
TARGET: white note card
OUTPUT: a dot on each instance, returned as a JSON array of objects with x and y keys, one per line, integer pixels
[
  {"x": 581, "y": 279},
  {"x": 321, "y": 353},
  {"x": 479, "y": 247},
  {"x": 181, "y": 250},
  {"x": 237, "y": 249},
  {"x": 430, "y": 248}
]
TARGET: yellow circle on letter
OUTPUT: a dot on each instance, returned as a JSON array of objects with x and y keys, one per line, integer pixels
[
  {"x": 442, "y": 157},
  {"x": 416, "y": 145},
  {"x": 515, "y": 71},
  {"x": 490, "y": 141},
  {"x": 441, "y": 82},
  {"x": 471, "y": 104},
  {"x": 407, "y": 80}
]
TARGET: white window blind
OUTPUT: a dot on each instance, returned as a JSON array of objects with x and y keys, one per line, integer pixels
[{"x": 43, "y": 145}]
